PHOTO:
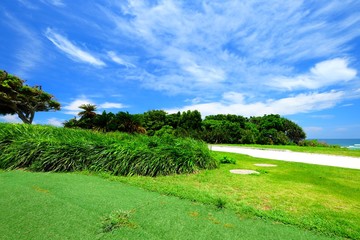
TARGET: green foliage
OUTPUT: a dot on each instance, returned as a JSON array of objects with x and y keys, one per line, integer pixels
[
  {"x": 227, "y": 160},
  {"x": 269, "y": 129},
  {"x": 106, "y": 122},
  {"x": 315, "y": 143},
  {"x": 190, "y": 120},
  {"x": 88, "y": 111},
  {"x": 220, "y": 203},
  {"x": 153, "y": 121},
  {"x": 43, "y": 148},
  {"x": 23, "y": 100},
  {"x": 293, "y": 131}
]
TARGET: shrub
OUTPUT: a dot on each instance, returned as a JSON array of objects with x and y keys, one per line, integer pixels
[
  {"x": 45, "y": 148},
  {"x": 226, "y": 160},
  {"x": 315, "y": 143}
]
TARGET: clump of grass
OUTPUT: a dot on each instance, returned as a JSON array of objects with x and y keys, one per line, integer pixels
[
  {"x": 115, "y": 220},
  {"x": 220, "y": 203},
  {"x": 45, "y": 148}
]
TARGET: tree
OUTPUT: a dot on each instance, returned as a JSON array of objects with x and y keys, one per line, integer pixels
[
  {"x": 190, "y": 120},
  {"x": 293, "y": 131},
  {"x": 153, "y": 121},
  {"x": 126, "y": 122},
  {"x": 105, "y": 122},
  {"x": 23, "y": 100},
  {"x": 88, "y": 111}
]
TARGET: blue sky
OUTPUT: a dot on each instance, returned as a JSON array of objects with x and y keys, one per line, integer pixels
[{"x": 299, "y": 59}]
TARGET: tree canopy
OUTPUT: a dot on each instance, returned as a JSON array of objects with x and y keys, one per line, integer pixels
[
  {"x": 23, "y": 100},
  {"x": 268, "y": 129}
]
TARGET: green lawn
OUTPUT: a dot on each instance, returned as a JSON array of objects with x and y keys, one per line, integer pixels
[
  {"x": 320, "y": 198},
  {"x": 321, "y": 150},
  {"x": 73, "y": 206}
]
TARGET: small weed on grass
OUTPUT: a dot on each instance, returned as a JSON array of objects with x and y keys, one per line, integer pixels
[{"x": 116, "y": 219}]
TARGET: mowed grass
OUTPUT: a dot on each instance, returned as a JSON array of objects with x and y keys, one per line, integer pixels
[
  {"x": 321, "y": 150},
  {"x": 73, "y": 206},
  {"x": 319, "y": 198}
]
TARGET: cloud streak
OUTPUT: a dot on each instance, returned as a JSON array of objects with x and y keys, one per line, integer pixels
[
  {"x": 73, "y": 51},
  {"x": 27, "y": 58},
  {"x": 237, "y": 44},
  {"x": 235, "y": 103}
]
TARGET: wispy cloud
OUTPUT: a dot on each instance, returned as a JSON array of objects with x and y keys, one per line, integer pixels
[
  {"x": 28, "y": 4},
  {"x": 28, "y": 40},
  {"x": 72, "y": 108},
  {"x": 57, "y": 3},
  {"x": 323, "y": 116},
  {"x": 236, "y": 44},
  {"x": 117, "y": 59},
  {"x": 237, "y": 104},
  {"x": 73, "y": 51}
]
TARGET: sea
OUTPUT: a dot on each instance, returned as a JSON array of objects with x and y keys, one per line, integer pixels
[{"x": 348, "y": 143}]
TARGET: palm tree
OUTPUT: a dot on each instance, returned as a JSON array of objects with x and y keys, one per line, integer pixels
[{"x": 89, "y": 111}]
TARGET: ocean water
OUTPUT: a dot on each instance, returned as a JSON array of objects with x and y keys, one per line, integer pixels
[{"x": 352, "y": 143}]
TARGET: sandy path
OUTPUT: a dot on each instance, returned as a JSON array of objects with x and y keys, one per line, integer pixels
[{"x": 286, "y": 155}]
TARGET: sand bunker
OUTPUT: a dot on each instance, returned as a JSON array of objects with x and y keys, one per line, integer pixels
[
  {"x": 243, "y": 171},
  {"x": 312, "y": 158},
  {"x": 265, "y": 165}
]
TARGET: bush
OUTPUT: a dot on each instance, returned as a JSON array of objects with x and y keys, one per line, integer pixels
[
  {"x": 226, "y": 160},
  {"x": 315, "y": 143},
  {"x": 45, "y": 148}
]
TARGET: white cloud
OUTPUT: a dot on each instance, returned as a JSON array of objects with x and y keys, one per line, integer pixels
[
  {"x": 117, "y": 59},
  {"x": 72, "y": 50},
  {"x": 323, "y": 74},
  {"x": 55, "y": 122},
  {"x": 111, "y": 105},
  {"x": 10, "y": 118},
  {"x": 235, "y": 45},
  {"x": 334, "y": 70},
  {"x": 73, "y": 107},
  {"x": 301, "y": 103}
]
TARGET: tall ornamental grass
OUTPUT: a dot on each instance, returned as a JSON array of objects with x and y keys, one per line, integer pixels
[{"x": 46, "y": 148}]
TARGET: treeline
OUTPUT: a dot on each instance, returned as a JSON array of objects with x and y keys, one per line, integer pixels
[{"x": 221, "y": 128}]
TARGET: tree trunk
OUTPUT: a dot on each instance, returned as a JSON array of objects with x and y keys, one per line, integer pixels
[{"x": 24, "y": 118}]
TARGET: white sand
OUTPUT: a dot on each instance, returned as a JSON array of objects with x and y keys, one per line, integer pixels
[
  {"x": 287, "y": 155},
  {"x": 243, "y": 171}
]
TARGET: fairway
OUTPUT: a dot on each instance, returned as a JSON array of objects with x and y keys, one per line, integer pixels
[{"x": 71, "y": 206}]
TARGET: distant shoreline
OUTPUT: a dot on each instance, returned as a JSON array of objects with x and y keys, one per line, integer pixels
[{"x": 343, "y": 142}]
